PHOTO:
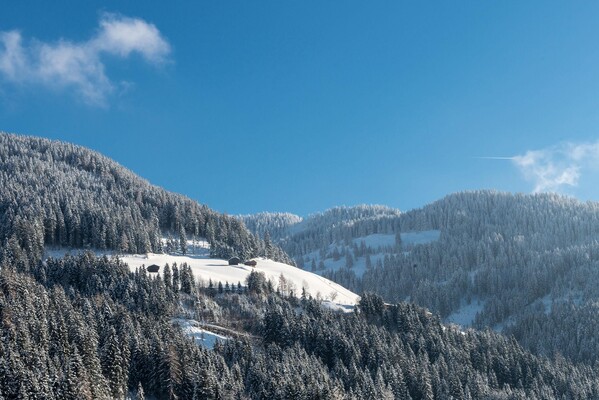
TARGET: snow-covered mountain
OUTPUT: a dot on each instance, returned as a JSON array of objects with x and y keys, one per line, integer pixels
[
  {"x": 90, "y": 326},
  {"x": 351, "y": 237},
  {"x": 59, "y": 194},
  {"x": 518, "y": 263}
]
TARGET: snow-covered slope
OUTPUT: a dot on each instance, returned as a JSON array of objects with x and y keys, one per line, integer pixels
[
  {"x": 342, "y": 237},
  {"x": 376, "y": 245},
  {"x": 217, "y": 270}
]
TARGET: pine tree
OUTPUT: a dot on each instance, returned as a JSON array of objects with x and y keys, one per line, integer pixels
[
  {"x": 139, "y": 395},
  {"x": 168, "y": 277},
  {"x": 182, "y": 240},
  {"x": 176, "y": 278},
  {"x": 268, "y": 246},
  {"x": 398, "y": 239},
  {"x": 113, "y": 364},
  {"x": 349, "y": 261}
]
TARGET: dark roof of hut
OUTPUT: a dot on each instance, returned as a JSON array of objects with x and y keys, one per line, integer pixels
[
  {"x": 234, "y": 260},
  {"x": 153, "y": 268}
]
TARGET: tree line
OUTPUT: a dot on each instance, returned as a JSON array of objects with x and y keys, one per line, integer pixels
[{"x": 59, "y": 194}]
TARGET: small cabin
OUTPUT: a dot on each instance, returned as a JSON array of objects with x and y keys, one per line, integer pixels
[
  {"x": 251, "y": 263},
  {"x": 234, "y": 261},
  {"x": 153, "y": 268}
]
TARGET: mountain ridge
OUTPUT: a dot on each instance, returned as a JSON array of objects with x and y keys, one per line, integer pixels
[
  {"x": 94, "y": 327},
  {"x": 483, "y": 258},
  {"x": 92, "y": 201}
]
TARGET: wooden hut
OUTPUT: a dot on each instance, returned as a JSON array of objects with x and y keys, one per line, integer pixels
[
  {"x": 251, "y": 263},
  {"x": 234, "y": 261},
  {"x": 153, "y": 268}
]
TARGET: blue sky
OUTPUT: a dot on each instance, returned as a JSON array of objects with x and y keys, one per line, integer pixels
[{"x": 300, "y": 106}]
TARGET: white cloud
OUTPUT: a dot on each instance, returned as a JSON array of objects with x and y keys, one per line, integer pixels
[
  {"x": 123, "y": 36},
  {"x": 557, "y": 167},
  {"x": 12, "y": 58},
  {"x": 78, "y": 65}
]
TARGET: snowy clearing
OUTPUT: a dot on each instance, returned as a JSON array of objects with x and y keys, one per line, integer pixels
[
  {"x": 376, "y": 240},
  {"x": 200, "y": 336},
  {"x": 359, "y": 267},
  {"x": 219, "y": 270},
  {"x": 337, "y": 307},
  {"x": 421, "y": 237},
  {"x": 466, "y": 314}
]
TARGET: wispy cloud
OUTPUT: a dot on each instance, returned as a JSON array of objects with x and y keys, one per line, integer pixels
[
  {"x": 557, "y": 167},
  {"x": 78, "y": 65}
]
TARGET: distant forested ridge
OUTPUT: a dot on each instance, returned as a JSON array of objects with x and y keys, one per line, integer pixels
[
  {"x": 59, "y": 194},
  {"x": 527, "y": 265},
  {"x": 275, "y": 225},
  {"x": 302, "y": 235}
]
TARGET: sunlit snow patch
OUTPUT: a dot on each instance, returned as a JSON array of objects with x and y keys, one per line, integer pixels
[
  {"x": 465, "y": 315},
  {"x": 205, "y": 269},
  {"x": 337, "y": 307},
  {"x": 200, "y": 336}
]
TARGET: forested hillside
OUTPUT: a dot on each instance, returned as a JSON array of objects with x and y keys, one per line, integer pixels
[
  {"x": 275, "y": 225},
  {"x": 88, "y": 328},
  {"x": 527, "y": 265},
  {"x": 302, "y": 235},
  {"x": 59, "y": 194}
]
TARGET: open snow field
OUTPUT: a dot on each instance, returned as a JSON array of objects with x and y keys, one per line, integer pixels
[
  {"x": 205, "y": 268},
  {"x": 219, "y": 270}
]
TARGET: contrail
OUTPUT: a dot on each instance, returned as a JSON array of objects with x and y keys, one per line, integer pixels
[{"x": 495, "y": 158}]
